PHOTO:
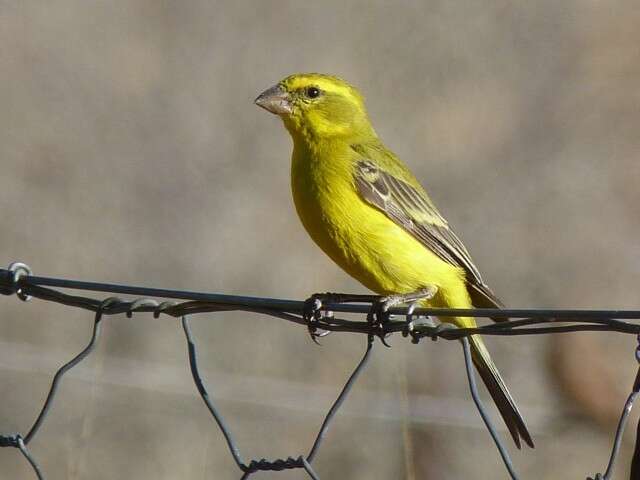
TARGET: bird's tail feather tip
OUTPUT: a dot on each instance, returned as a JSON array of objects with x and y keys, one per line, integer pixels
[{"x": 499, "y": 392}]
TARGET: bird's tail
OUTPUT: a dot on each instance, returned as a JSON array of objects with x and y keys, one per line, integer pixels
[{"x": 499, "y": 392}]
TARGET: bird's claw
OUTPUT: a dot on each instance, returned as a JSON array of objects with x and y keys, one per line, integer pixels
[
  {"x": 379, "y": 316},
  {"x": 312, "y": 314},
  {"x": 411, "y": 324}
]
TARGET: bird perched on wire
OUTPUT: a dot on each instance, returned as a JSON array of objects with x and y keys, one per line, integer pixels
[{"x": 367, "y": 211}]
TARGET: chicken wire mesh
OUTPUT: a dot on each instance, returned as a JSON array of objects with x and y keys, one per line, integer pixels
[{"x": 415, "y": 323}]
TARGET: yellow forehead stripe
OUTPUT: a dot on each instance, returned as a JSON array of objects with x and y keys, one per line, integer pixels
[{"x": 327, "y": 83}]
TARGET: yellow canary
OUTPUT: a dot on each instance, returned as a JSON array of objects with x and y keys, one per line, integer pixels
[{"x": 366, "y": 210}]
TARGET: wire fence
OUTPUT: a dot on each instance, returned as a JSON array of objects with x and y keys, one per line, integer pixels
[{"x": 318, "y": 315}]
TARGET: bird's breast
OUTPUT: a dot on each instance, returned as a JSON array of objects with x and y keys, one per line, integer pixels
[
  {"x": 358, "y": 237},
  {"x": 361, "y": 239},
  {"x": 324, "y": 198}
]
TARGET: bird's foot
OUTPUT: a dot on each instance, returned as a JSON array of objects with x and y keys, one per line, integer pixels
[
  {"x": 315, "y": 309},
  {"x": 312, "y": 313},
  {"x": 379, "y": 314}
]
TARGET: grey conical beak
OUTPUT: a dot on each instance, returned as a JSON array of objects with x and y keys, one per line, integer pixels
[{"x": 275, "y": 100}]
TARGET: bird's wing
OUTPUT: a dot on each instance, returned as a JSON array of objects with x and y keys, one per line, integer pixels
[{"x": 405, "y": 202}]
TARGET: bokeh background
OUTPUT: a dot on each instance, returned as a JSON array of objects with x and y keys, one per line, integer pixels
[{"x": 131, "y": 152}]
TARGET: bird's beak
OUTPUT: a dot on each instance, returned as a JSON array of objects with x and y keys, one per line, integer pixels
[{"x": 275, "y": 100}]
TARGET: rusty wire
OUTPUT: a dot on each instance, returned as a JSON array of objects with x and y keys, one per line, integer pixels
[{"x": 415, "y": 324}]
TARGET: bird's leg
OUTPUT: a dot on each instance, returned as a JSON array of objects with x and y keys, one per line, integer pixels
[
  {"x": 379, "y": 313},
  {"x": 312, "y": 311},
  {"x": 382, "y": 305}
]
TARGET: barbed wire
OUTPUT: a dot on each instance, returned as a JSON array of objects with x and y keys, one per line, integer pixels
[{"x": 415, "y": 323}]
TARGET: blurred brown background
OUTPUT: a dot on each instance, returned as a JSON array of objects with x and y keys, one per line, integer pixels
[{"x": 131, "y": 152}]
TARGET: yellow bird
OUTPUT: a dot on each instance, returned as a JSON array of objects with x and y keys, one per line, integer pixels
[{"x": 367, "y": 211}]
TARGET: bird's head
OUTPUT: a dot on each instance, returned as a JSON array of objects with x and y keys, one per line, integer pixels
[{"x": 317, "y": 106}]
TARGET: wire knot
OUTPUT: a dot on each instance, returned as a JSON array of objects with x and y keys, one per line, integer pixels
[
  {"x": 409, "y": 330},
  {"x": 9, "y": 284},
  {"x": 419, "y": 328},
  {"x": 437, "y": 331},
  {"x": 110, "y": 304},
  {"x": 142, "y": 304},
  {"x": 10, "y": 441},
  {"x": 163, "y": 307},
  {"x": 598, "y": 476},
  {"x": 274, "y": 466}
]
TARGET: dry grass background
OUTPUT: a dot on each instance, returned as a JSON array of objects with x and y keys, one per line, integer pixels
[{"x": 131, "y": 152}]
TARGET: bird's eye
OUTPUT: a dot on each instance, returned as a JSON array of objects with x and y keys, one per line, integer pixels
[{"x": 313, "y": 92}]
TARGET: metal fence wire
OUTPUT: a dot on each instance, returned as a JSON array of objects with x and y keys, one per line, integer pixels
[{"x": 415, "y": 324}]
